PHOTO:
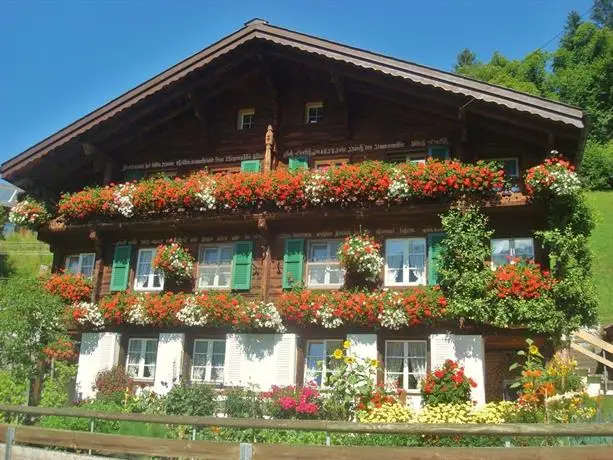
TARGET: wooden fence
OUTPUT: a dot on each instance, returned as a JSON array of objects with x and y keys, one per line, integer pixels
[{"x": 108, "y": 443}]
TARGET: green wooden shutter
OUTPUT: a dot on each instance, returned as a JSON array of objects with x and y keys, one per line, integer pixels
[
  {"x": 434, "y": 252},
  {"x": 293, "y": 263},
  {"x": 250, "y": 166},
  {"x": 131, "y": 175},
  {"x": 438, "y": 152},
  {"x": 298, "y": 163},
  {"x": 121, "y": 267},
  {"x": 241, "y": 265}
]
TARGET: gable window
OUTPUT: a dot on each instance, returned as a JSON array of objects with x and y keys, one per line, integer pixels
[
  {"x": 208, "y": 360},
  {"x": 142, "y": 355},
  {"x": 323, "y": 267},
  {"x": 215, "y": 266},
  {"x": 147, "y": 279},
  {"x": 81, "y": 264},
  {"x": 405, "y": 363},
  {"x": 324, "y": 165},
  {"x": 504, "y": 250},
  {"x": 320, "y": 363},
  {"x": 405, "y": 262},
  {"x": 246, "y": 119},
  {"x": 406, "y": 157},
  {"x": 314, "y": 112}
]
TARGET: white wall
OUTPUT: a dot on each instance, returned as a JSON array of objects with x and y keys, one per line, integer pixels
[
  {"x": 169, "y": 363},
  {"x": 468, "y": 350},
  {"x": 99, "y": 351}
]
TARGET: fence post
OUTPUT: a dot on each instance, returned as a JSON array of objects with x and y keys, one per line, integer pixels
[
  {"x": 92, "y": 424},
  {"x": 8, "y": 444},
  {"x": 246, "y": 452}
]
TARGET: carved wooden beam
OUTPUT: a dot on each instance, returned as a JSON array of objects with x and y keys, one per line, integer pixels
[{"x": 341, "y": 93}]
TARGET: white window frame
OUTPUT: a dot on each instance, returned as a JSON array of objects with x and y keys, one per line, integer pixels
[
  {"x": 329, "y": 263},
  {"x": 324, "y": 360},
  {"x": 313, "y": 105},
  {"x": 141, "y": 359},
  {"x": 405, "y": 364},
  {"x": 242, "y": 113},
  {"x": 202, "y": 265},
  {"x": 151, "y": 275},
  {"x": 511, "y": 248},
  {"x": 405, "y": 267},
  {"x": 81, "y": 256},
  {"x": 514, "y": 159},
  {"x": 208, "y": 367}
]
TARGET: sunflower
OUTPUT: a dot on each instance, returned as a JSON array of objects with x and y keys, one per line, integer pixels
[
  {"x": 534, "y": 350},
  {"x": 349, "y": 360},
  {"x": 374, "y": 362},
  {"x": 346, "y": 344},
  {"x": 338, "y": 353}
]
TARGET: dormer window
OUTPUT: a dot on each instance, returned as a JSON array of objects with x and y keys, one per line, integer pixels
[
  {"x": 314, "y": 112},
  {"x": 246, "y": 119}
]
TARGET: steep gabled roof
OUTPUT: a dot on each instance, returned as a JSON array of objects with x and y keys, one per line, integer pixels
[{"x": 259, "y": 29}]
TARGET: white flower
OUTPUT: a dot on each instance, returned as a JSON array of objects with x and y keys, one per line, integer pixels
[
  {"x": 327, "y": 317},
  {"x": 266, "y": 316},
  {"x": 138, "y": 314},
  {"x": 206, "y": 196},
  {"x": 92, "y": 315},
  {"x": 314, "y": 188},
  {"x": 122, "y": 199},
  {"x": 191, "y": 314}
]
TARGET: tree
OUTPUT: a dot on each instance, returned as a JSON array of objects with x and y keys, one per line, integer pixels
[
  {"x": 602, "y": 13},
  {"x": 465, "y": 59},
  {"x": 573, "y": 21}
]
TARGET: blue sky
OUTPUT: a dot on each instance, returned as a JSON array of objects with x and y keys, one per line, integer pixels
[{"x": 63, "y": 59}]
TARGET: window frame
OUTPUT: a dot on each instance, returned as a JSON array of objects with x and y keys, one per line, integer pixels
[
  {"x": 514, "y": 159},
  {"x": 81, "y": 256},
  {"x": 313, "y": 105},
  {"x": 409, "y": 157},
  {"x": 308, "y": 265},
  {"x": 387, "y": 282},
  {"x": 200, "y": 265},
  {"x": 405, "y": 361},
  {"x": 149, "y": 288},
  {"x": 242, "y": 113},
  {"x": 330, "y": 163},
  {"x": 511, "y": 249},
  {"x": 208, "y": 367},
  {"x": 324, "y": 359},
  {"x": 141, "y": 359}
]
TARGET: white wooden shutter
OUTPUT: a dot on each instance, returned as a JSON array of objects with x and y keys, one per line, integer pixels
[
  {"x": 233, "y": 361},
  {"x": 441, "y": 349},
  {"x": 169, "y": 361},
  {"x": 99, "y": 351},
  {"x": 363, "y": 345},
  {"x": 285, "y": 360}
]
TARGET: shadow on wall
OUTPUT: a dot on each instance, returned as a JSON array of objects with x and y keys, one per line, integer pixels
[{"x": 258, "y": 346}]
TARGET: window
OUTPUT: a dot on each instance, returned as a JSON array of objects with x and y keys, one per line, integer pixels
[
  {"x": 224, "y": 170},
  {"x": 142, "y": 354},
  {"x": 208, "y": 360},
  {"x": 147, "y": 279},
  {"x": 319, "y": 360},
  {"x": 323, "y": 268},
  {"x": 314, "y": 112},
  {"x": 246, "y": 119},
  {"x": 323, "y": 165},
  {"x": 506, "y": 249},
  {"x": 510, "y": 167},
  {"x": 407, "y": 157},
  {"x": 405, "y": 363},
  {"x": 405, "y": 262},
  {"x": 215, "y": 266},
  {"x": 81, "y": 264}
]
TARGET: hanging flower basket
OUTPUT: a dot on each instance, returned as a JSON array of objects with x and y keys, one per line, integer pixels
[
  {"x": 174, "y": 260},
  {"x": 360, "y": 256},
  {"x": 29, "y": 213},
  {"x": 555, "y": 176}
]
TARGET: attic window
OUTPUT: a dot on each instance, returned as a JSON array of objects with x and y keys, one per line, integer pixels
[
  {"x": 314, "y": 112},
  {"x": 246, "y": 119}
]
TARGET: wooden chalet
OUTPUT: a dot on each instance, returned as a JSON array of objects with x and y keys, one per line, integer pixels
[{"x": 265, "y": 98}]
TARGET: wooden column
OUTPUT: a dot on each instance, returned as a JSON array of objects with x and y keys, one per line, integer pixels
[
  {"x": 99, "y": 264},
  {"x": 267, "y": 258},
  {"x": 269, "y": 141}
]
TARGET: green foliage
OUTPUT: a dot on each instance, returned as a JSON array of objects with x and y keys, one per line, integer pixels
[
  {"x": 23, "y": 255},
  {"x": 191, "y": 399},
  {"x": 12, "y": 389},
  {"x": 596, "y": 168},
  {"x": 446, "y": 385},
  {"x": 56, "y": 384},
  {"x": 83, "y": 424},
  {"x": 30, "y": 319},
  {"x": 243, "y": 403}
]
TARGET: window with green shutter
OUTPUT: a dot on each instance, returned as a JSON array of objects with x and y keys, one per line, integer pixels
[
  {"x": 298, "y": 163},
  {"x": 293, "y": 263},
  {"x": 241, "y": 265},
  {"x": 250, "y": 166},
  {"x": 434, "y": 252},
  {"x": 438, "y": 152},
  {"x": 121, "y": 267}
]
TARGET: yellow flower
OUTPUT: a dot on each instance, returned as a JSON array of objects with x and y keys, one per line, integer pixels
[
  {"x": 349, "y": 360},
  {"x": 533, "y": 349},
  {"x": 374, "y": 362},
  {"x": 338, "y": 353},
  {"x": 346, "y": 344}
]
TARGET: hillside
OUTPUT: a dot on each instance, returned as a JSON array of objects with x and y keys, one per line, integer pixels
[
  {"x": 602, "y": 249},
  {"x": 22, "y": 254}
]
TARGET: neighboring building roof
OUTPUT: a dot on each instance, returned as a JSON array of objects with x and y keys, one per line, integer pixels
[
  {"x": 260, "y": 29},
  {"x": 8, "y": 194}
]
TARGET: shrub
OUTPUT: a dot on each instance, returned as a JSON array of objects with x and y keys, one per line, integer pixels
[
  {"x": 13, "y": 392},
  {"x": 243, "y": 403},
  {"x": 293, "y": 402},
  {"x": 387, "y": 413},
  {"x": 83, "y": 424},
  {"x": 55, "y": 386},
  {"x": 113, "y": 384},
  {"x": 596, "y": 169},
  {"x": 191, "y": 399},
  {"x": 446, "y": 385}
]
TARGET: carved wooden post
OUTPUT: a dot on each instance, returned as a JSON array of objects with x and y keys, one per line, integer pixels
[
  {"x": 269, "y": 140},
  {"x": 99, "y": 265},
  {"x": 267, "y": 258}
]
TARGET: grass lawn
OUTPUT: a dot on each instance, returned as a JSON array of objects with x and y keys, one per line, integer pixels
[{"x": 602, "y": 249}]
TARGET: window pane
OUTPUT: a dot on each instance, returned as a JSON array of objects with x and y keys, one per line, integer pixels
[
  {"x": 72, "y": 264},
  {"x": 413, "y": 382},
  {"x": 210, "y": 256},
  {"x": 394, "y": 349},
  {"x": 417, "y": 246},
  {"x": 315, "y": 349},
  {"x": 218, "y": 359},
  {"x": 332, "y": 345},
  {"x": 335, "y": 274},
  {"x": 198, "y": 373},
  {"x": 509, "y": 167},
  {"x": 501, "y": 252},
  {"x": 318, "y": 253},
  {"x": 219, "y": 346},
  {"x": 394, "y": 364},
  {"x": 393, "y": 379},
  {"x": 226, "y": 255},
  {"x": 316, "y": 275},
  {"x": 395, "y": 261},
  {"x": 132, "y": 370},
  {"x": 87, "y": 265},
  {"x": 224, "y": 276},
  {"x": 417, "y": 349},
  {"x": 217, "y": 374},
  {"x": 206, "y": 277},
  {"x": 416, "y": 261},
  {"x": 201, "y": 346},
  {"x": 524, "y": 248},
  {"x": 149, "y": 371}
]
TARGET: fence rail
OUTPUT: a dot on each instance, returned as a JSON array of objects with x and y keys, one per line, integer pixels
[{"x": 108, "y": 443}]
